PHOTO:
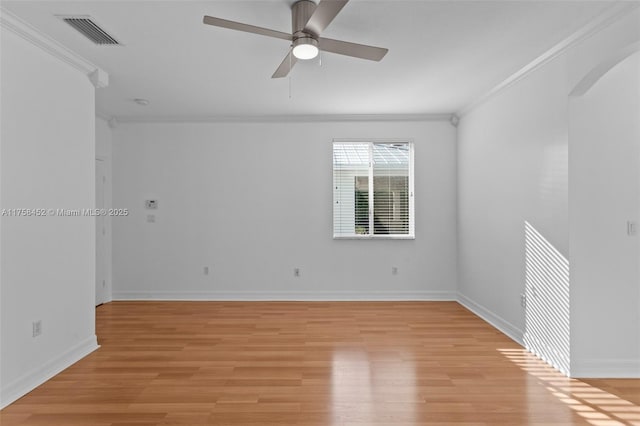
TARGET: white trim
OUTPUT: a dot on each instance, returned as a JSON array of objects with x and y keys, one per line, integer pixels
[
  {"x": 287, "y": 296},
  {"x": 317, "y": 118},
  {"x": 373, "y": 140},
  {"x": 111, "y": 121},
  {"x": 606, "y": 368},
  {"x": 608, "y": 16},
  {"x": 495, "y": 320},
  {"x": 375, "y": 237},
  {"x": 31, "y": 380},
  {"x": 593, "y": 76},
  {"x": 102, "y": 115},
  {"x": 98, "y": 77}
]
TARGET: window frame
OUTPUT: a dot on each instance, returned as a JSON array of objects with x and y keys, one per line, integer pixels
[{"x": 411, "y": 181}]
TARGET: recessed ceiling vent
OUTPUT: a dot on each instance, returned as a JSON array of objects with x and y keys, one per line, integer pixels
[{"x": 90, "y": 30}]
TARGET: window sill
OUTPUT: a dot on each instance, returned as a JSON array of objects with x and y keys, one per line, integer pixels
[{"x": 374, "y": 237}]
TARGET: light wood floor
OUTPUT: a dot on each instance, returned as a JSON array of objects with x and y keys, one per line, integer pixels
[{"x": 291, "y": 363}]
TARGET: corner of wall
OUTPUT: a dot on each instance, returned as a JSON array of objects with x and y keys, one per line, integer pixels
[
  {"x": 26, "y": 383},
  {"x": 510, "y": 330}
]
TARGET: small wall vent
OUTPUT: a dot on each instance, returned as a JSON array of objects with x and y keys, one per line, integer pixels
[{"x": 88, "y": 28}]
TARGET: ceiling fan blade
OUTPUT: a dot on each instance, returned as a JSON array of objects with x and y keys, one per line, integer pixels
[
  {"x": 323, "y": 15},
  {"x": 361, "y": 51},
  {"x": 286, "y": 65},
  {"x": 232, "y": 25}
]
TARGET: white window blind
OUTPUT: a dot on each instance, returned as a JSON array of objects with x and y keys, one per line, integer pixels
[{"x": 373, "y": 189}]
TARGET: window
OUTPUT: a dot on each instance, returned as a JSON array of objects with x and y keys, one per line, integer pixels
[{"x": 373, "y": 189}]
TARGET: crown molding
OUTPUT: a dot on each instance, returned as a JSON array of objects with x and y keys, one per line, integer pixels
[
  {"x": 316, "y": 118},
  {"x": 102, "y": 115},
  {"x": 98, "y": 77},
  {"x": 597, "y": 24},
  {"x": 592, "y": 77},
  {"x": 111, "y": 121}
]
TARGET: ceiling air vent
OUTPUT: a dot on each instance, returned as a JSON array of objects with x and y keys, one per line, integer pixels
[{"x": 90, "y": 30}]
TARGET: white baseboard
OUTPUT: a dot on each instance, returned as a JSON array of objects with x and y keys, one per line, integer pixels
[
  {"x": 287, "y": 296},
  {"x": 498, "y": 322},
  {"x": 544, "y": 351},
  {"x": 38, "y": 376},
  {"x": 606, "y": 369}
]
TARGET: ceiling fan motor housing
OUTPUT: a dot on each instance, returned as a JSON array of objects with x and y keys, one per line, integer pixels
[
  {"x": 305, "y": 41},
  {"x": 308, "y": 21},
  {"x": 300, "y": 13}
]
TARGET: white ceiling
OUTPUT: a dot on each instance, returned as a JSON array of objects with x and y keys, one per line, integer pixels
[{"x": 442, "y": 56}]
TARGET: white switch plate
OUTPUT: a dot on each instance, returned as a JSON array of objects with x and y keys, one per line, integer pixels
[
  {"x": 632, "y": 228},
  {"x": 36, "y": 328}
]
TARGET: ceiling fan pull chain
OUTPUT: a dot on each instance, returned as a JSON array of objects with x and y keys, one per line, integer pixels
[{"x": 290, "y": 74}]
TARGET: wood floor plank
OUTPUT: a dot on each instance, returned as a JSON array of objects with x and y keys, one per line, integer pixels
[{"x": 314, "y": 364}]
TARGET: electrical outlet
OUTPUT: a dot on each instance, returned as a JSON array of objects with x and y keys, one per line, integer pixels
[
  {"x": 296, "y": 272},
  {"x": 36, "y": 328},
  {"x": 394, "y": 270},
  {"x": 206, "y": 270},
  {"x": 523, "y": 300}
]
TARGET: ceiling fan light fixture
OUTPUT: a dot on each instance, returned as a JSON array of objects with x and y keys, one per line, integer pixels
[
  {"x": 308, "y": 20},
  {"x": 305, "y": 48}
]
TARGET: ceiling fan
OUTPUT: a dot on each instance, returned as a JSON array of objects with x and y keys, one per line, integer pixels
[{"x": 308, "y": 20}]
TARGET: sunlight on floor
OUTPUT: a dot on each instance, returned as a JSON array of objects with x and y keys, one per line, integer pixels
[
  {"x": 596, "y": 406},
  {"x": 366, "y": 388}
]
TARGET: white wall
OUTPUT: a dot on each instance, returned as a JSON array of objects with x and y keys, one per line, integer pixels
[
  {"x": 604, "y": 184},
  {"x": 513, "y": 165},
  {"x": 47, "y": 263},
  {"x": 253, "y": 201},
  {"x": 104, "y": 153}
]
